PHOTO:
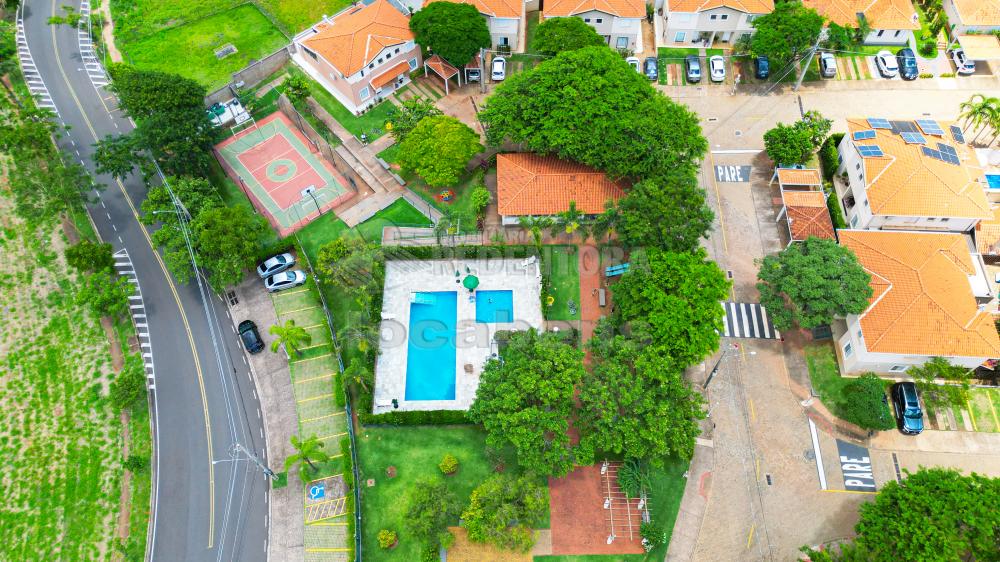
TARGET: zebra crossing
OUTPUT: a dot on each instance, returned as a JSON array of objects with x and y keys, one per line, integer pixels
[
  {"x": 90, "y": 61},
  {"x": 31, "y": 75},
  {"x": 747, "y": 320},
  {"x": 124, "y": 268}
]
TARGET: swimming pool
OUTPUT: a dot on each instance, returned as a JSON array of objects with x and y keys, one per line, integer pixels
[
  {"x": 494, "y": 306},
  {"x": 993, "y": 180},
  {"x": 430, "y": 355}
]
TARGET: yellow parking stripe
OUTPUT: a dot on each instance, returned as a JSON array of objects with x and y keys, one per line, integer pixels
[
  {"x": 314, "y": 346},
  {"x": 329, "y": 523},
  {"x": 332, "y": 436},
  {"x": 326, "y": 550},
  {"x": 315, "y": 398},
  {"x": 972, "y": 415},
  {"x": 323, "y": 417},
  {"x": 298, "y": 310},
  {"x": 312, "y": 358},
  {"x": 326, "y": 376},
  {"x": 295, "y": 292}
]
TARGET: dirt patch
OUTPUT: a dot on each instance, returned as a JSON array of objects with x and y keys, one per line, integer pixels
[
  {"x": 125, "y": 497},
  {"x": 580, "y": 523},
  {"x": 117, "y": 357},
  {"x": 464, "y": 550}
]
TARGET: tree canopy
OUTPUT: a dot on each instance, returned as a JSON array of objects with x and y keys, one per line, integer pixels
[
  {"x": 786, "y": 33},
  {"x": 590, "y": 106},
  {"x": 526, "y": 399},
  {"x": 409, "y": 113},
  {"x": 504, "y": 511},
  {"x": 811, "y": 282},
  {"x": 438, "y": 149},
  {"x": 430, "y": 507},
  {"x": 865, "y": 403},
  {"x": 936, "y": 396},
  {"x": 556, "y": 35},
  {"x": 454, "y": 31},
  {"x": 788, "y": 144},
  {"x": 667, "y": 212}
]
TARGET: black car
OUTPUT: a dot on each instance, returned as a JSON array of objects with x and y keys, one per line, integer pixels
[
  {"x": 250, "y": 337},
  {"x": 906, "y": 403},
  {"x": 761, "y": 68},
  {"x": 649, "y": 68},
  {"x": 907, "y": 64}
]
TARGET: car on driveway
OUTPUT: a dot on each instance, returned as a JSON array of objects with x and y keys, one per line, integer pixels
[
  {"x": 285, "y": 280},
  {"x": 827, "y": 65},
  {"x": 692, "y": 68},
  {"x": 963, "y": 65},
  {"x": 906, "y": 403},
  {"x": 886, "y": 63},
  {"x": 761, "y": 67},
  {"x": 717, "y": 68},
  {"x": 634, "y": 63},
  {"x": 649, "y": 68},
  {"x": 250, "y": 337},
  {"x": 275, "y": 264},
  {"x": 498, "y": 69},
  {"x": 472, "y": 75},
  {"x": 907, "y": 64}
]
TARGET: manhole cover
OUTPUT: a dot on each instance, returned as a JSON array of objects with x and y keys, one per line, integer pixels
[
  {"x": 810, "y": 455},
  {"x": 738, "y": 133}
]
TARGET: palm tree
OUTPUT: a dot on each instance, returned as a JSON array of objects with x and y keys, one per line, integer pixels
[
  {"x": 358, "y": 373},
  {"x": 306, "y": 451},
  {"x": 607, "y": 222},
  {"x": 364, "y": 334},
  {"x": 570, "y": 221},
  {"x": 976, "y": 110},
  {"x": 291, "y": 336},
  {"x": 450, "y": 222},
  {"x": 535, "y": 225},
  {"x": 992, "y": 117}
]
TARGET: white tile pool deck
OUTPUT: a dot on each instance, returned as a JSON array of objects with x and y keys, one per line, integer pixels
[{"x": 474, "y": 341}]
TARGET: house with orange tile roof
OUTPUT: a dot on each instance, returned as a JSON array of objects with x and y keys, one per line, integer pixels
[
  {"x": 360, "y": 55},
  {"x": 909, "y": 175},
  {"x": 504, "y": 18},
  {"x": 972, "y": 16},
  {"x": 619, "y": 22},
  {"x": 531, "y": 185},
  {"x": 698, "y": 21},
  {"x": 891, "y": 22},
  {"x": 929, "y": 290}
]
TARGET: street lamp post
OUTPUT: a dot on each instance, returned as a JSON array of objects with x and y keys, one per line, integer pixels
[{"x": 715, "y": 369}]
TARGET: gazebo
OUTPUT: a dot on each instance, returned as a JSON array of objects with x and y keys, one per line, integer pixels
[{"x": 442, "y": 69}]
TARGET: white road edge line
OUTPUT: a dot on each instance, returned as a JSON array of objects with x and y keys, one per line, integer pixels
[{"x": 819, "y": 455}]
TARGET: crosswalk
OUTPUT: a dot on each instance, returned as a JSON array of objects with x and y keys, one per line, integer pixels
[
  {"x": 31, "y": 75},
  {"x": 747, "y": 320},
  {"x": 90, "y": 61},
  {"x": 124, "y": 267}
]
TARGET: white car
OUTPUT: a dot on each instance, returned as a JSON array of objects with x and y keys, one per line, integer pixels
[
  {"x": 634, "y": 63},
  {"x": 498, "y": 69},
  {"x": 827, "y": 65},
  {"x": 284, "y": 280},
  {"x": 887, "y": 65},
  {"x": 962, "y": 65},
  {"x": 717, "y": 68},
  {"x": 275, "y": 264}
]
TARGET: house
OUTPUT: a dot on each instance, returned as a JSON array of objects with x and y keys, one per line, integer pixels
[
  {"x": 803, "y": 204},
  {"x": 909, "y": 175},
  {"x": 504, "y": 18},
  {"x": 987, "y": 236},
  {"x": 928, "y": 288},
  {"x": 361, "y": 55},
  {"x": 618, "y": 21},
  {"x": 728, "y": 21},
  {"x": 972, "y": 16},
  {"x": 891, "y": 22},
  {"x": 535, "y": 185}
]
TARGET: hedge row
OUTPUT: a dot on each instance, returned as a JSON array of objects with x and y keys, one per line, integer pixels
[
  {"x": 459, "y": 252},
  {"x": 348, "y": 464},
  {"x": 421, "y": 417}
]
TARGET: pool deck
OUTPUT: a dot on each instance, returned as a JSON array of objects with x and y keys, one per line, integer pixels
[{"x": 474, "y": 341}]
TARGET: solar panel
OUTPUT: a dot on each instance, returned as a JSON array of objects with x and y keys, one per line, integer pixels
[
  {"x": 957, "y": 134},
  {"x": 913, "y": 138},
  {"x": 862, "y": 135},
  {"x": 904, "y": 127},
  {"x": 870, "y": 151},
  {"x": 879, "y": 123},
  {"x": 931, "y": 152},
  {"x": 930, "y": 127},
  {"x": 947, "y": 149}
]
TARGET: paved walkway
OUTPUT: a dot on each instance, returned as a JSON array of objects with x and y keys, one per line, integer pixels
[{"x": 591, "y": 281}]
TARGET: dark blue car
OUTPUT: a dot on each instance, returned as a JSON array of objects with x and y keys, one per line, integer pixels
[
  {"x": 907, "y": 64},
  {"x": 907, "y": 406}
]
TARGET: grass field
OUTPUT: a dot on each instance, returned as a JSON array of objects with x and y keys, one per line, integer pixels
[
  {"x": 400, "y": 213},
  {"x": 372, "y": 122},
  {"x": 189, "y": 50},
  {"x": 825, "y": 376},
  {"x": 563, "y": 264},
  {"x": 297, "y": 15},
  {"x": 138, "y": 18},
  {"x": 673, "y": 55}
]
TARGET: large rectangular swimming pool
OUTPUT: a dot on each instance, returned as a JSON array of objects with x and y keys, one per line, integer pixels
[
  {"x": 494, "y": 306},
  {"x": 430, "y": 355}
]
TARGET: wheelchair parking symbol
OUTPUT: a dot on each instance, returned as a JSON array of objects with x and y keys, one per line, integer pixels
[{"x": 317, "y": 492}]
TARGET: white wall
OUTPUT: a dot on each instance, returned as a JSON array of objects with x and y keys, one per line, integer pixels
[
  {"x": 735, "y": 24},
  {"x": 958, "y": 28},
  {"x": 861, "y": 360},
  {"x": 888, "y": 37}
]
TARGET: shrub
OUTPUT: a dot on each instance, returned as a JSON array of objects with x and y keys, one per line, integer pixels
[
  {"x": 480, "y": 197},
  {"x": 652, "y": 535},
  {"x": 633, "y": 477},
  {"x": 424, "y": 417},
  {"x": 449, "y": 464},
  {"x": 926, "y": 75},
  {"x": 946, "y": 75},
  {"x": 865, "y": 403},
  {"x": 927, "y": 48},
  {"x": 136, "y": 463},
  {"x": 836, "y": 214},
  {"x": 129, "y": 385},
  {"x": 89, "y": 256},
  {"x": 503, "y": 510},
  {"x": 828, "y": 156},
  {"x": 338, "y": 390},
  {"x": 386, "y": 538}
]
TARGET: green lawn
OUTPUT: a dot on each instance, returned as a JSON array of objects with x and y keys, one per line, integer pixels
[
  {"x": 141, "y": 485},
  {"x": 320, "y": 231},
  {"x": 137, "y": 18},
  {"x": 825, "y": 376},
  {"x": 564, "y": 274},
  {"x": 189, "y": 50},
  {"x": 924, "y": 35},
  {"x": 400, "y": 213},
  {"x": 673, "y": 55},
  {"x": 713, "y": 52},
  {"x": 532, "y": 25},
  {"x": 297, "y": 15},
  {"x": 371, "y": 122}
]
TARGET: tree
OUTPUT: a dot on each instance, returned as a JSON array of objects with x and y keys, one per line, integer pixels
[
  {"x": 810, "y": 283},
  {"x": 454, "y": 31},
  {"x": 142, "y": 93},
  {"x": 667, "y": 212},
  {"x": 296, "y": 88},
  {"x": 355, "y": 266},
  {"x": 226, "y": 242},
  {"x": 136, "y": 463},
  {"x": 196, "y": 195},
  {"x": 504, "y": 509},
  {"x": 105, "y": 293},
  {"x": 936, "y": 396},
  {"x": 438, "y": 148},
  {"x": 307, "y": 451},
  {"x": 291, "y": 336},
  {"x": 816, "y": 125},
  {"x": 865, "y": 403},
  {"x": 116, "y": 155},
  {"x": 635, "y": 402},
  {"x": 676, "y": 296},
  {"x": 839, "y": 38},
  {"x": 979, "y": 110},
  {"x": 608, "y": 221},
  {"x": 786, "y": 33},
  {"x": 571, "y": 221},
  {"x": 788, "y": 144},
  {"x": 590, "y": 106},
  {"x": 526, "y": 399},
  {"x": 90, "y": 256},
  {"x": 535, "y": 225},
  {"x": 409, "y": 113},
  {"x": 129, "y": 385},
  {"x": 430, "y": 507},
  {"x": 556, "y": 35}
]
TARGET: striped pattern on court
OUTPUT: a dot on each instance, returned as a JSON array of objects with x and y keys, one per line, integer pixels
[{"x": 747, "y": 320}]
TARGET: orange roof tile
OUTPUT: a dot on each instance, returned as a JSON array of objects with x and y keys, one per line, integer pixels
[
  {"x": 907, "y": 182},
  {"x": 748, "y": 6},
  {"x": 880, "y": 14},
  {"x": 790, "y": 176},
  {"x": 978, "y": 12},
  {"x": 353, "y": 39},
  {"x": 390, "y": 75},
  {"x": 620, "y": 8},
  {"x": 807, "y": 214},
  {"x": 532, "y": 184},
  {"x": 988, "y": 235},
  {"x": 492, "y": 8},
  {"x": 441, "y": 67},
  {"x": 923, "y": 302}
]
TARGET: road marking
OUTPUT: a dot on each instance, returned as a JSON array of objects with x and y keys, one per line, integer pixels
[
  {"x": 297, "y": 310},
  {"x": 753, "y": 413},
  {"x": 326, "y": 376},
  {"x": 312, "y": 358},
  {"x": 972, "y": 416},
  {"x": 750, "y": 536},
  {"x": 315, "y": 398},
  {"x": 322, "y": 417},
  {"x": 993, "y": 410},
  {"x": 819, "y": 455},
  {"x": 718, "y": 201}
]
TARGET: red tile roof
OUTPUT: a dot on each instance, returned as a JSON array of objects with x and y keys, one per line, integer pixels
[
  {"x": 352, "y": 40},
  {"x": 532, "y": 184},
  {"x": 807, "y": 214}
]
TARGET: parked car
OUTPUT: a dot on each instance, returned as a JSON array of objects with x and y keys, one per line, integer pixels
[
  {"x": 692, "y": 67},
  {"x": 962, "y": 65},
  {"x": 634, "y": 63},
  {"x": 761, "y": 67},
  {"x": 907, "y": 64},
  {"x": 827, "y": 65},
  {"x": 250, "y": 337},
  {"x": 717, "y": 68},
  {"x": 498, "y": 69},
  {"x": 906, "y": 403},
  {"x": 473, "y": 75},
  {"x": 275, "y": 264},
  {"x": 285, "y": 280},
  {"x": 650, "y": 68},
  {"x": 886, "y": 63}
]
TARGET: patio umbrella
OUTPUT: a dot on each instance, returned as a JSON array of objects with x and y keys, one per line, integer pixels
[{"x": 470, "y": 282}]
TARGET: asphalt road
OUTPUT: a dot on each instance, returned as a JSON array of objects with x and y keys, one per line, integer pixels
[{"x": 202, "y": 388}]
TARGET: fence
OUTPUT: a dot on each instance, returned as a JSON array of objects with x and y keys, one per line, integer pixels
[{"x": 251, "y": 75}]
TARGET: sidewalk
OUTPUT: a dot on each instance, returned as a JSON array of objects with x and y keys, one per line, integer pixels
[{"x": 691, "y": 513}]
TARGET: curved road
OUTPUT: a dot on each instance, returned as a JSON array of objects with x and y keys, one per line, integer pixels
[{"x": 204, "y": 396}]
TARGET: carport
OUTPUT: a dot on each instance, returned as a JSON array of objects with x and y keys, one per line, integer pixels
[
  {"x": 980, "y": 47},
  {"x": 443, "y": 69},
  {"x": 806, "y": 214}
]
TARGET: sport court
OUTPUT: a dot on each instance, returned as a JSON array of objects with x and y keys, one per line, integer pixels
[{"x": 279, "y": 169}]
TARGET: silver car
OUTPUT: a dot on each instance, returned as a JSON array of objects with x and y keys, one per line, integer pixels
[
  {"x": 827, "y": 65},
  {"x": 275, "y": 264},
  {"x": 285, "y": 280}
]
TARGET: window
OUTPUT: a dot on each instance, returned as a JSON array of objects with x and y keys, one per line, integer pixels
[
  {"x": 857, "y": 166},
  {"x": 880, "y": 32},
  {"x": 931, "y": 219},
  {"x": 312, "y": 54},
  {"x": 840, "y": 159},
  {"x": 397, "y": 50},
  {"x": 413, "y": 63},
  {"x": 505, "y": 41},
  {"x": 388, "y": 56},
  {"x": 622, "y": 42},
  {"x": 599, "y": 20},
  {"x": 744, "y": 36},
  {"x": 713, "y": 16},
  {"x": 379, "y": 60},
  {"x": 861, "y": 177},
  {"x": 898, "y": 31},
  {"x": 854, "y": 221},
  {"x": 364, "y": 93},
  {"x": 848, "y": 350},
  {"x": 372, "y": 65},
  {"x": 724, "y": 17},
  {"x": 679, "y": 38},
  {"x": 362, "y": 73},
  {"x": 586, "y": 20},
  {"x": 751, "y": 17},
  {"x": 866, "y": 202},
  {"x": 860, "y": 335},
  {"x": 944, "y": 220},
  {"x": 897, "y": 368}
]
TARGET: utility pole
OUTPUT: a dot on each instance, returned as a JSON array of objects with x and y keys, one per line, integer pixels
[
  {"x": 808, "y": 59},
  {"x": 263, "y": 467},
  {"x": 482, "y": 71},
  {"x": 715, "y": 369}
]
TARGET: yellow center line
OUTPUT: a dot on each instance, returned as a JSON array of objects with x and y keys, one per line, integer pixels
[
  {"x": 750, "y": 536},
  {"x": 316, "y": 378},
  {"x": 310, "y": 399},
  {"x": 323, "y": 417}
]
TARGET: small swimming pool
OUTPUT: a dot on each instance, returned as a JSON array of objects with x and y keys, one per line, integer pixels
[
  {"x": 430, "y": 355},
  {"x": 993, "y": 180},
  {"x": 494, "y": 306}
]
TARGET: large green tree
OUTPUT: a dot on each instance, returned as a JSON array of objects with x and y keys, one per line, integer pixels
[
  {"x": 588, "y": 105},
  {"x": 90, "y": 256},
  {"x": 811, "y": 282},
  {"x": 227, "y": 240},
  {"x": 525, "y": 400},
  {"x": 556, "y": 35},
  {"x": 865, "y": 403},
  {"x": 129, "y": 385},
  {"x": 454, "y": 31},
  {"x": 954, "y": 393},
  {"x": 409, "y": 113},
  {"x": 430, "y": 508},
  {"x": 667, "y": 212},
  {"x": 504, "y": 510},
  {"x": 675, "y": 297},
  {"x": 788, "y": 144},
  {"x": 438, "y": 149},
  {"x": 355, "y": 266},
  {"x": 786, "y": 33}
]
